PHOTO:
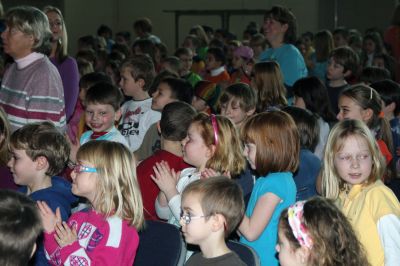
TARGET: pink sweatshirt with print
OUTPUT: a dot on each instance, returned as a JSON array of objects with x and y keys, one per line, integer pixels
[{"x": 101, "y": 241}]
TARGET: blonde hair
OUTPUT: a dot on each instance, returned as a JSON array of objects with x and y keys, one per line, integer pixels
[
  {"x": 332, "y": 184},
  {"x": 4, "y": 137},
  {"x": 269, "y": 85},
  {"x": 117, "y": 192},
  {"x": 62, "y": 44},
  {"x": 228, "y": 155}
]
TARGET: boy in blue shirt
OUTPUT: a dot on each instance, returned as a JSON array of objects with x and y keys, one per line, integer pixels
[{"x": 40, "y": 152}]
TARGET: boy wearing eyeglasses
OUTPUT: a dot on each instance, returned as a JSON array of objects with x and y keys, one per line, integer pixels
[
  {"x": 211, "y": 209},
  {"x": 38, "y": 153}
]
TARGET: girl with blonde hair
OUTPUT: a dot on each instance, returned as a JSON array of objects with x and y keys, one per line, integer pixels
[
  {"x": 66, "y": 65},
  {"x": 212, "y": 147},
  {"x": 351, "y": 175},
  {"x": 105, "y": 234}
]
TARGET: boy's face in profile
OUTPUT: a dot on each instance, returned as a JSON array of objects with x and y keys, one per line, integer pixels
[
  {"x": 161, "y": 97},
  {"x": 334, "y": 71},
  {"x": 211, "y": 62},
  {"x": 196, "y": 228},
  {"x": 128, "y": 84},
  {"x": 234, "y": 111},
  {"x": 199, "y": 104},
  {"x": 23, "y": 169},
  {"x": 101, "y": 117}
]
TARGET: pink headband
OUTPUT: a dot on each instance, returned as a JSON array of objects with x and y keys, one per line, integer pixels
[
  {"x": 215, "y": 128},
  {"x": 299, "y": 229}
]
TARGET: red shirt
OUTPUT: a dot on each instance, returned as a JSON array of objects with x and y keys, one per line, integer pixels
[{"x": 150, "y": 189}]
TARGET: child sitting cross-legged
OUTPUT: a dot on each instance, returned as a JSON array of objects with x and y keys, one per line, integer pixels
[{"x": 211, "y": 210}]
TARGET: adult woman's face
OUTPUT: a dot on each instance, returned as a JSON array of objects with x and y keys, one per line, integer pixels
[
  {"x": 56, "y": 25},
  {"x": 274, "y": 31},
  {"x": 16, "y": 43}
]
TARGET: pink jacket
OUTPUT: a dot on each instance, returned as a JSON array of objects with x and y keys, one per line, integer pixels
[{"x": 101, "y": 241}]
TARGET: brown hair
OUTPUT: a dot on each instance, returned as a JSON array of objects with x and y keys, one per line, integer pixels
[
  {"x": 242, "y": 93},
  {"x": 104, "y": 93},
  {"x": 323, "y": 43},
  {"x": 219, "y": 195},
  {"x": 277, "y": 140},
  {"x": 141, "y": 67},
  {"x": 43, "y": 139},
  {"x": 175, "y": 120},
  {"x": 284, "y": 16},
  {"x": 269, "y": 85},
  {"x": 334, "y": 240},
  {"x": 346, "y": 57},
  {"x": 20, "y": 226}
]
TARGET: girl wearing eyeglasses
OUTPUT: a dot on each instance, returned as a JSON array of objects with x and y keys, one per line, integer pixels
[
  {"x": 351, "y": 175},
  {"x": 106, "y": 233}
]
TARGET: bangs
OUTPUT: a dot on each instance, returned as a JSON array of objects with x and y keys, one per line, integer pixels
[{"x": 248, "y": 132}]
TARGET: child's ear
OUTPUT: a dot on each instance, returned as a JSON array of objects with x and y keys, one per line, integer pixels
[
  {"x": 347, "y": 73},
  {"x": 285, "y": 27},
  {"x": 41, "y": 163},
  {"x": 118, "y": 114},
  {"x": 367, "y": 114},
  {"x": 251, "y": 111},
  {"x": 211, "y": 151},
  {"x": 302, "y": 254},
  {"x": 158, "y": 127},
  {"x": 141, "y": 83},
  {"x": 218, "y": 222},
  {"x": 390, "y": 107}
]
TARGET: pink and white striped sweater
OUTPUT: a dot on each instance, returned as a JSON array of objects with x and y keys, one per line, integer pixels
[{"x": 33, "y": 93}]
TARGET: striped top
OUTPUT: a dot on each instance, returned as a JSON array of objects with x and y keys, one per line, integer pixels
[{"x": 33, "y": 94}]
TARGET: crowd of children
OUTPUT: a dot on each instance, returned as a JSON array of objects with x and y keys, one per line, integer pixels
[{"x": 205, "y": 138}]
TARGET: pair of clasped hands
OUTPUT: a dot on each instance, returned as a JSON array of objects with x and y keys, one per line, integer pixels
[
  {"x": 64, "y": 235},
  {"x": 167, "y": 178}
]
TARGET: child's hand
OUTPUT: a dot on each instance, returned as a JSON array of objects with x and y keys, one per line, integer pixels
[
  {"x": 49, "y": 219},
  {"x": 165, "y": 178},
  {"x": 209, "y": 172},
  {"x": 74, "y": 145},
  {"x": 65, "y": 235}
]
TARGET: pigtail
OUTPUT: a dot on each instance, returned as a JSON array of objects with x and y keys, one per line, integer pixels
[{"x": 385, "y": 134}]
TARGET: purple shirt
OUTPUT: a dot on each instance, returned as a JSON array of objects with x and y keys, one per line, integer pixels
[{"x": 70, "y": 79}]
